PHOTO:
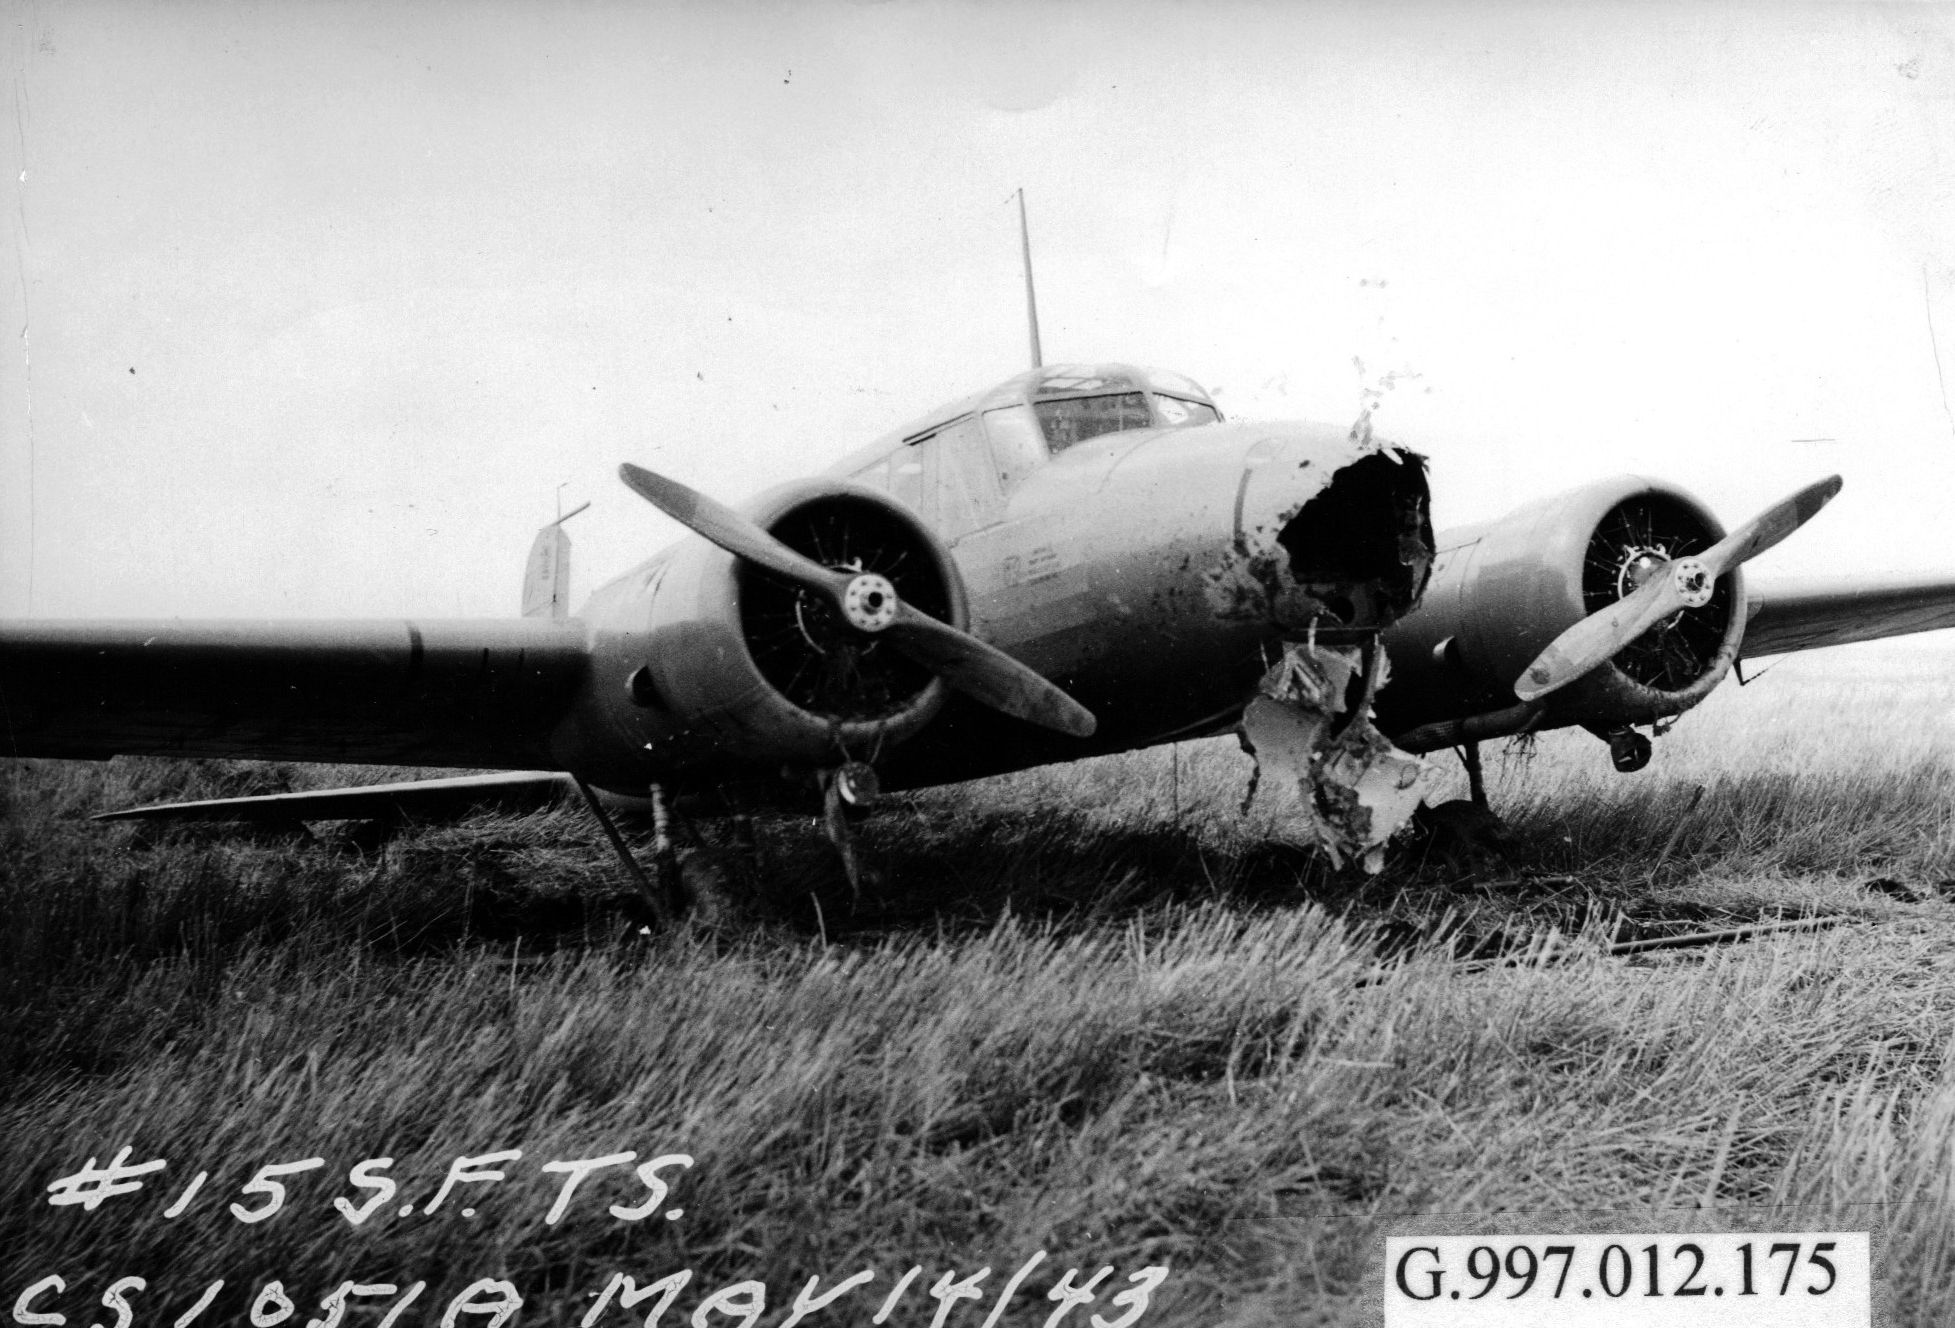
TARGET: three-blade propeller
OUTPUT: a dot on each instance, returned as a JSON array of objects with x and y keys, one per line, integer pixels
[
  {"x": 1681, "y": 583},
  {"x": 869, "y": 603}
]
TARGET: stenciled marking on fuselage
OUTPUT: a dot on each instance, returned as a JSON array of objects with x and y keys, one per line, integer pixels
[{"x": 1036, "y": 586}]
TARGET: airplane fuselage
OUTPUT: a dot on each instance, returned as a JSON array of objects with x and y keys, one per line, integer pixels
[{"x": 1149, "y": 571}]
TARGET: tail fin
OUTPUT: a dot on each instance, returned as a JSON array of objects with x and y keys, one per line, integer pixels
[{"x": 546, "y": 579}]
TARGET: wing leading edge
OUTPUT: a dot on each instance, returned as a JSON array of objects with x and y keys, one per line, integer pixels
[
  {"x": 1804, "y": 615},
  {"x": 437, "y": 692}
]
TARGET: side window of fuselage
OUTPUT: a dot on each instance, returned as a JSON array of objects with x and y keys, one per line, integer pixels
[
  {"x": 1017, "y": 446},
  {"x": 908, "y": 477},
  {"x": 944, "y": 477},
  {"x": 967, "y": 490}
]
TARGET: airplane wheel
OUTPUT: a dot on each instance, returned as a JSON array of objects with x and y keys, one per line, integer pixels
[{"x": 1629, "y": 751}]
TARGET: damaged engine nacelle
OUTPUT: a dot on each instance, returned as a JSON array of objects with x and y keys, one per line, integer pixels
[
  {"x": 728, "y": 666},
  {"x": 1502, "y": 591}
]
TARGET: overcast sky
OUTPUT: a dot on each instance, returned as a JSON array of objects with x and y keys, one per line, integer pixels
[{"x": 320, "y": 304}]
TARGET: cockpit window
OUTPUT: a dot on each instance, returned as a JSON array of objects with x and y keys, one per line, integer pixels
[
  {"x": 1181, "y": 413},
  {"x": 1177, "y": 413},
  {"x": 1075, "y": 419},
  {"x": 1017, "y": 447}
]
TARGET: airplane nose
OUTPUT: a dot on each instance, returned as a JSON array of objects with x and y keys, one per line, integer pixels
[
  {"x": 1362, "y": 547},
  {"x": 1330, "y": 532}
]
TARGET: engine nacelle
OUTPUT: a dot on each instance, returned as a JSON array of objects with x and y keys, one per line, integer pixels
[
  {"x": 701, "y": 661},
  {"x": 1503, "y": 590}
]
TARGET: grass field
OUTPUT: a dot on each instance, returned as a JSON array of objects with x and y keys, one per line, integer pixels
[{"x": 1091, "y": 1011}]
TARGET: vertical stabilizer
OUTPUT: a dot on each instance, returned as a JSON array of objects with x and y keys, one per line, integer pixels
[{"x": 546, "y": 578}]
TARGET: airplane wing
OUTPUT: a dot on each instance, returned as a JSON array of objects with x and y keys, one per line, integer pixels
[
  {"x": 424, "y": 799},
  {"x": 1804, "y": 615},
  {"x": 438, "y": 692}
]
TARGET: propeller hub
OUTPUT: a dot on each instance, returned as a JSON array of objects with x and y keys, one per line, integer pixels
[
  {"x": 1693, "y": 582},
  {"x": 869, "y": 602}
]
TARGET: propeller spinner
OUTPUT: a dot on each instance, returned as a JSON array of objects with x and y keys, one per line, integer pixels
[
  {"x": 1680, "y": 583},
  {"x": 869, "y": 603}
]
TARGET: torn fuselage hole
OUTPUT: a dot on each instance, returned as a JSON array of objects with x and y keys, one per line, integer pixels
[{"x": 1363, "y": 547}]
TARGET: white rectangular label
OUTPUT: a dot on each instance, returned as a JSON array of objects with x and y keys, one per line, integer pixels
[{"x": 1727, "y": 1279}]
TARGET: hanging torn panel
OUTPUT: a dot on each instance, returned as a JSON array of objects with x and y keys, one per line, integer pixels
[{"x": 1308, "y": 732}]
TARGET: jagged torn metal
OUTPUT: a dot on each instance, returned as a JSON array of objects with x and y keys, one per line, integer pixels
[
  {"x": 1267, "y": 577},
  {"x": 1354, "y": 788}
]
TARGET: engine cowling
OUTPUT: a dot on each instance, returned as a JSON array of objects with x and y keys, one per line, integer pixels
[
  {"x": 701, "y": 661},
  {"x": 1503, "y": 590}
]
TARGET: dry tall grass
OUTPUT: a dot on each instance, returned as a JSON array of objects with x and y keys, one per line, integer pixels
[{"x": 1092, "y": 1011}]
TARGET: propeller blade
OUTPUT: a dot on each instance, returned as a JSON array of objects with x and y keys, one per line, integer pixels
[
  {"x": 1598, "y": 638},
  {"x": 721, "y": 525},
  {"x": 1770, "y": 526},
  {"x": 987, "y": 674},
  {"x": 1682, "y": 583},
  {"x": 982, "y": 672}
]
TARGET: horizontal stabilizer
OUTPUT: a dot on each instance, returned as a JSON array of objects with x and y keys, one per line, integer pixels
[{"x": 424, "y": 799}]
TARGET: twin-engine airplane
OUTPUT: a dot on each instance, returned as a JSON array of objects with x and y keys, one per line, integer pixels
[{"x": 1084, "y": 559}]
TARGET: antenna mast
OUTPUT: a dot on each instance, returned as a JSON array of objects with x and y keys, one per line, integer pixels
[{"x": 1031, "y": 298}]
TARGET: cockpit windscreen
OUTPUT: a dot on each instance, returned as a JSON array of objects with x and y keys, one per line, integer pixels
[
  {"x": 1071, "y": 420},
  {"x": 1075, "y": 419}
]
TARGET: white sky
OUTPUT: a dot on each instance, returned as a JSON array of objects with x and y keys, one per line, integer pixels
[{"x": 322, "y": 302}]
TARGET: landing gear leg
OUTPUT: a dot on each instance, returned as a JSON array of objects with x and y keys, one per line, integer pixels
[
  {"x": 746, "y": 841},
  {"x": 851, "y": 785},
  {"x": 657, "y": 899},
  {"x": 1476, "y": 783},
  {"x": 1465, "y": 834},
  {"x": 665, "y": 853}
]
